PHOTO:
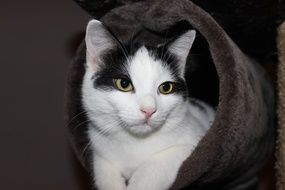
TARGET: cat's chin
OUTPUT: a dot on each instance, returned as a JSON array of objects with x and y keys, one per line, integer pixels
[{"x": 143, "y": 129}]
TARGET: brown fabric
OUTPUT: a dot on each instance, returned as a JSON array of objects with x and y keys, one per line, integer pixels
[
  {"x": 280, "y": 154},
  {"x": 242, "y": 135}
]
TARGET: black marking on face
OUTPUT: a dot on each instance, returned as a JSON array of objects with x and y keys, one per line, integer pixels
[
  {"x": 168, "y": 59},
  {"x": 115, "y": 66},
  {"x": 171, "y": 62}
]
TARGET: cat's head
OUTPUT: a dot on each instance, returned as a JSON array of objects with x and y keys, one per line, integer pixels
[{"x": 136, "y": 87}]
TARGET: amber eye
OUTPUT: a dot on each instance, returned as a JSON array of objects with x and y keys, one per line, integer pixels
[
  {"x": 166, "y": 88},
  {"x": 124, "y": 85}
]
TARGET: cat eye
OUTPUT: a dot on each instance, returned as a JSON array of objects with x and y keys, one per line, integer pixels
[
  {"x": 124, "y": 85},
  {"x": 166, "y": 88}
]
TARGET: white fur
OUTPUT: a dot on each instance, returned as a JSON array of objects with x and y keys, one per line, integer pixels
[
  {"x": 181, "y": 48},
  {"x": 126, "y": 147}
]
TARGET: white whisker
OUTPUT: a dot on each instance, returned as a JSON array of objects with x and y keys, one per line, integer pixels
[
  {"x": 74, "y": 117},
  {"x": 80, "y": 124}
]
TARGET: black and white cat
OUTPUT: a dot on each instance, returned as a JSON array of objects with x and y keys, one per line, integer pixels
[{"x": 142, "y": 123}]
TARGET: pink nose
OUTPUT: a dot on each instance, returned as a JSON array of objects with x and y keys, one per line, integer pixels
[{"x": 148, "y": 112}]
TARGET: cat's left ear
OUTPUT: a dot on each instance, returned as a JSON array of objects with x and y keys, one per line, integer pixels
[
  {"x": 181, "y": 47},
  {"x": 98, "y": 42}
]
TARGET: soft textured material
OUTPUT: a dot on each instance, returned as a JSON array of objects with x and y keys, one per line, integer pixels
[
  {"x": 280, "y": 154},
  {"x": 242, "y": 135},
  {"x": 251, "y": 24}
]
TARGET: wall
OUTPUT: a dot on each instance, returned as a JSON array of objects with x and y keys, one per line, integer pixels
[{"x": 35, "y": 41}]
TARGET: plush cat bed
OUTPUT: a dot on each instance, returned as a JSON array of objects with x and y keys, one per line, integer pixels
[
  {"x": 242, "y": 135},
  {"x": 280, "y": 154}
]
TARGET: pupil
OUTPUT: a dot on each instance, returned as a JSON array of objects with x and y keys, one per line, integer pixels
[
  {"x": 124, "y": 83},
  {"x": 166, "y": 87}
]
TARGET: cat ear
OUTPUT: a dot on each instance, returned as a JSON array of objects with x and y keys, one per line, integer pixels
[
  {"x": 98, "y": 41},
  {"x": 181, "y": 47}
]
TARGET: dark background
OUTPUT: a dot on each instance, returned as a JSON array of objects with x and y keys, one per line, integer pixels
[{"x": 35, "y": 39}]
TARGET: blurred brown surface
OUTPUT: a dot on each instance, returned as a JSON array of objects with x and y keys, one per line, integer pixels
[
  {"x": 35, "y": 153},
  {"x": 266, "y": 176}
]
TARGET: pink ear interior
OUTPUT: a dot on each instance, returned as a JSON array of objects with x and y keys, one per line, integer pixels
[
  {"x": 181, "y": 47},
  {"x": 98, "y": 40}
]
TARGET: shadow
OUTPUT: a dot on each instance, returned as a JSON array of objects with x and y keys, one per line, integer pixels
[{"x": 83, "y": 178}]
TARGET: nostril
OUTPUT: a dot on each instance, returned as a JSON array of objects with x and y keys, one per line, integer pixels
[{"x": 148, "y": 112}]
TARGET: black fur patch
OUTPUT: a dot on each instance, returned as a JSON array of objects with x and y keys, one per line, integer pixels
[
  {"x": 115, "y": 66},
  {"x": 169, "y": 59}
]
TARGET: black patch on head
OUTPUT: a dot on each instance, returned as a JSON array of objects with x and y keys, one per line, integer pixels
[
  {"x": 171, "y": 62},
  {"x": 115, "y": 66},
  {"x": 116, "y": 62}
]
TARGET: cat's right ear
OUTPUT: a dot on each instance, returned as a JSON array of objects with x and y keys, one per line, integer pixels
[{"x": 98, "y": 41}]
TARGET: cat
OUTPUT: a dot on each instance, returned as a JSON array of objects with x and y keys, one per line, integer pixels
[{"x": 143, "y": 124}]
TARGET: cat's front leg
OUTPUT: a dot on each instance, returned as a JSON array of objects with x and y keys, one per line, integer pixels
[
  {"x": 107, "y": 176},
  {"x": 160, "y": 171}
]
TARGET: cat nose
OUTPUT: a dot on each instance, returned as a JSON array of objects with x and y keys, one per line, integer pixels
[{"x": 148, "y": 111}]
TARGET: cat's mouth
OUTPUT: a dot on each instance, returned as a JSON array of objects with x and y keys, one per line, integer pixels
[{"x": 142, "y": 127}]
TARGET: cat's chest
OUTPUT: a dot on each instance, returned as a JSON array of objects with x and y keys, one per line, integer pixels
[{"x": 127, "y": 155}]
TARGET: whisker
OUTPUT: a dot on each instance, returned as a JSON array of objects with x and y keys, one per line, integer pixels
[
  {"x": 85, "y": 149},
  {"x": 88, "y": 120},
  {"x": 163, "y": 48},
  {"x": 125, "y": 52},
  {"x": 72, "y": 119},
  {"x": 102, "y": 132}
]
